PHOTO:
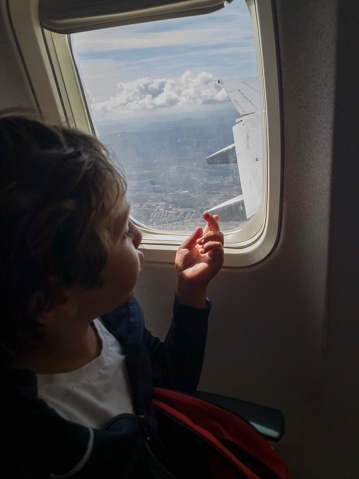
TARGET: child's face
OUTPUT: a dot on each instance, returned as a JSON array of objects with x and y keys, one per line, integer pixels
[
  {"x": 124, "y": 260},
  {"x": 121, "y": 270}
]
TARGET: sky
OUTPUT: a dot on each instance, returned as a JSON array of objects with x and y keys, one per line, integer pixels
[{"x": 165, "y": 68}]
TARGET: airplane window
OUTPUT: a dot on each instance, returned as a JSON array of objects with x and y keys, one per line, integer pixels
[{"x": 177, "y": 101}]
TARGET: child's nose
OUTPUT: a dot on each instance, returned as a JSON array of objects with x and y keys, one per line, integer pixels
[{"x": 137, "y": 236}]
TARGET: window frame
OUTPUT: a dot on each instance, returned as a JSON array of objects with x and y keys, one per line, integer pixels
[{"x": 60, "y": 98}]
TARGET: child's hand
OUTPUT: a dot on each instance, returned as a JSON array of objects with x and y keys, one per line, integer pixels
[{"x": 198, "y": 260}]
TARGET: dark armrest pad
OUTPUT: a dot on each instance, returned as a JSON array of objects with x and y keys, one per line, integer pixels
[{"x": 269, "y": 422}]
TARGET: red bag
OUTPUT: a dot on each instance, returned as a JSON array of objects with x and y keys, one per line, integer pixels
[{"x": 224, "y": 445}]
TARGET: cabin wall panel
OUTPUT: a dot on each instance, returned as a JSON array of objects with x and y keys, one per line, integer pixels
[
  {"x": 335, "y": 402},
  {"x": 15, "y": 90}
]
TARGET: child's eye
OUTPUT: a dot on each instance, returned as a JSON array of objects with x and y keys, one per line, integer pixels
[{"x": 128, "y": 231}]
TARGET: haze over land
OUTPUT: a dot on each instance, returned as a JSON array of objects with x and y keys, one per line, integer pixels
[{"x": 170, "y": 183}]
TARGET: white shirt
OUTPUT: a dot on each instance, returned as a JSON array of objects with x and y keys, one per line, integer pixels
[{"x": 94, "y": 393}]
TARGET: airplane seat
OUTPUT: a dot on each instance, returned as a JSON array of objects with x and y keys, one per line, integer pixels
[{"x": 269, "y": 422}]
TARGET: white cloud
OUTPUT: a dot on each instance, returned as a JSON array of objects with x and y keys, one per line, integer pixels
[{"x": 147, "y": 94}]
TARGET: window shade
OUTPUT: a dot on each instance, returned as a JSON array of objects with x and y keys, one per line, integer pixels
[{"x": 71, "y": 16}]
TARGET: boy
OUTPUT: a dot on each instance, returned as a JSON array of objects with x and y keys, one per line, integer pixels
[{"x": 77, "y": 364}]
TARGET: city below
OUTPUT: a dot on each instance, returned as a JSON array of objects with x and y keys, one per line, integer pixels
[{"x": 170, "y": 181}]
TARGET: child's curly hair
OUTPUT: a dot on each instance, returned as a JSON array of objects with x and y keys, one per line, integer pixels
[{"x": 58, "y": 187}]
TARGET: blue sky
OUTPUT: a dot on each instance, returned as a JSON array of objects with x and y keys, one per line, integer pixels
[{"x": 168, "y": 66}]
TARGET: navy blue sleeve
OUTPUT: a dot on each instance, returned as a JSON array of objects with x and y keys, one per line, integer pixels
[{"x": 177, "y": 362}]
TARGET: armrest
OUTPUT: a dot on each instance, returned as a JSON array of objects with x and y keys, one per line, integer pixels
[{"x": 269, "y": 422}]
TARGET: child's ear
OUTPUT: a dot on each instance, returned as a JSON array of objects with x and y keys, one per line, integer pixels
[{"x": 62, "y": 307}]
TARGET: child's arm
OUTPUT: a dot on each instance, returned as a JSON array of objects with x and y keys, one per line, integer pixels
[
  {"x": 198, "y": 260},
  {"x": 177, "y": 362}
]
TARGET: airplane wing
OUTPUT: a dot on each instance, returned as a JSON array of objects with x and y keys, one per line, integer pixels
[
  {"x": 247, "y": 151},
  {"x": 225, "y": 156},
  {"x": 243, "y": 93}
]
